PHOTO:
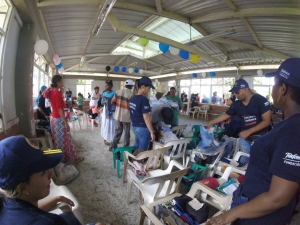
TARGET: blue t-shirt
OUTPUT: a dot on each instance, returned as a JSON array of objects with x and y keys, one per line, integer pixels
[
  {"x": 139, "y": 105},
  {"x": 250, "y": 114},
  {"x": 275, "y": 153},
  {"x": 21, "y": 212},
  {"x": 105, "y": 95},
  {"x": 41, "y": 103}
]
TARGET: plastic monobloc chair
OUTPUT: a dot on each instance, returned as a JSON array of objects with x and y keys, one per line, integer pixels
[
  {"x": 154, "y": 159},
  {"x": 158, "y": 183},
  {"x": 117, "y": 162},
  {"x": 178, "y": 130}
]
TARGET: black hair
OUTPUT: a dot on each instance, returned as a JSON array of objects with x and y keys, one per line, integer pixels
[
  {"x": 295, "y": 91},
  {"x": 55, "y": 79},
  {"x": 96, "y": 87},
  {"x": 139, "y": 85},
  {"x": 109, "y": 82},
  {"x": 172, "y": 88}
]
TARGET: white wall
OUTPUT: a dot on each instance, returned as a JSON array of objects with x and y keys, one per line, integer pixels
[
  {"x": 71, "y": 83},
  {"x": 8, "y": 72}
]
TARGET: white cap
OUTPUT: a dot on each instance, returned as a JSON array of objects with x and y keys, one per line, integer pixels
[{"x": 129, "y": 82}]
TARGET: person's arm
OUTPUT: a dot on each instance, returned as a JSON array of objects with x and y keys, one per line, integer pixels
[
  {"x": 280, "y": 195},
  {"x": 48, "y": 205},
  {"x": 43, "y": 113},
  {"x": 62, "y": 116},
  {"x": 219, "y": 119},
  {"x": 266, "y": 119},
  {"x": 148, "y": 122},
  {"x": 93, "y": 96}
]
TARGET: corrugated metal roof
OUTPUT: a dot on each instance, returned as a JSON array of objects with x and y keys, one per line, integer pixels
[{"x": 69, "y": 27}]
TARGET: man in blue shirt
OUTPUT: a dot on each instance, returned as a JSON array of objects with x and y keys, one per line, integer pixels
[{"x": 252, "y": 109}]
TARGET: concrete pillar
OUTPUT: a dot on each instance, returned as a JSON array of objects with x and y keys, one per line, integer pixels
[{"x": 24, "y": 78}]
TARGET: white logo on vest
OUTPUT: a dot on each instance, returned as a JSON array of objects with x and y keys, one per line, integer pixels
[{"x": 292, "y": 159}]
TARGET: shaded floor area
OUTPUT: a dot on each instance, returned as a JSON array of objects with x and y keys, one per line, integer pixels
[{"x": 101, "y": 194}]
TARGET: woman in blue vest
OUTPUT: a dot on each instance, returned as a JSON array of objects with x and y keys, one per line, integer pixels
[
  {"x": 269, "y": 193},
  {"x": 139, "y": 114}
]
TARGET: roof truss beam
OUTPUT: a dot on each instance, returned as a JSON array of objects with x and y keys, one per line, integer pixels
[
  {"x": 249, "y": 46},
  {"x": 158, "y": 6},
  {"x": 246, "y": 23},
  {"x": 250, "y": 12},
  {"x": 117, "y": 26}
]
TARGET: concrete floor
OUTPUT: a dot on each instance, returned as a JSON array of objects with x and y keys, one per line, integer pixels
[{"x": 101, "y": 194}]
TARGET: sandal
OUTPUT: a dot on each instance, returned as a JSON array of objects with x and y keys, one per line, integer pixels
[{"x": 79, "y": 160}]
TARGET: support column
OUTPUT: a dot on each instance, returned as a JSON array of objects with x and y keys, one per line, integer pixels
[{"x": 24, "y": 78}]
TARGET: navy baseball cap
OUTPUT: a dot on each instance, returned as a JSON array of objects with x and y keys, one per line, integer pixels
[
  {"x": 19, "y": 159},
  {"x": 43, "y": 88},
  {"x": 167, "y": 115},
  {"x": 147, "y": 81},
  {"x": 239, "y": 84},
  {"x": 288, "y": 71}
]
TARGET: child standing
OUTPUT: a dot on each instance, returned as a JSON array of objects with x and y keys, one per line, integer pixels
[{"x": 80, "y": 101}]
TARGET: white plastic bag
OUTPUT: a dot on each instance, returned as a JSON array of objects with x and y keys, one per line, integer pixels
[
  {"x": 168, "y": 136},
  {"x": 47, "y": 103},
  {"x": 64, "y": 174},
  {"x": 107, "y": 126}
]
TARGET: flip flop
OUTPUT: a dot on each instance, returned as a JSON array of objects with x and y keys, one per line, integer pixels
[{"x": 79, "y": 160}]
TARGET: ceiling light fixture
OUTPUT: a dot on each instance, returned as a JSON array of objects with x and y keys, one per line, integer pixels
[
  {"x": 104, "y": 9},
  {"x": 241, "y": 60},
  {"x": 123, "y": 76},
  {"x": 163, "y": 76},
  {"x": 258, "y": 67}
]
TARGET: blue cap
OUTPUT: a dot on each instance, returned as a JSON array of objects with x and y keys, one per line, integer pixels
[
  {"x": 19, "y": 159},
  {"x": 147, "y": 81},
  {"x": 43, "y": 88},
  {"x": 239, "y": 84},
  {"x": 288, "y": 71}
]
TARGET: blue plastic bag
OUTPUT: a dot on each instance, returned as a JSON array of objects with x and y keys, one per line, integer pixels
[{"x": 206, "y": 137}]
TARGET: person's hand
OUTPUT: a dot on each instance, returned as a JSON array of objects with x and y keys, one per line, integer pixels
[
  {"x": 209, "y": 125},
  {"x": 244, "y": 134},
  {"x": 65, "y": 200},
  {"x": 67, "y": 126},
  {"x": 152, "y": 137},
  {"x": 223, "y": 219}
]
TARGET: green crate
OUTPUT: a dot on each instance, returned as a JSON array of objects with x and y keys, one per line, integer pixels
[
  {"x": 193, "y": 143},
  {"x": 117, "y": 163},
  {"x": 198, "y": 173}
]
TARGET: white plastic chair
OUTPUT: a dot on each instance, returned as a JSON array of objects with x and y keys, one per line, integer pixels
[
  {"x": 214, "y": 198},
  {"x": 178, "y": 130},
  {"x": 212, "y": 167},
  {"x": 233, "y": 163},
  {"x": 157, "y": 184},
  {"x": 196, "y": 189},
  {"x": 46, "y": 135},
  {"x": 195, "y": 111},
  {"x": 178, "y": 148},
  {"x": 62, "y": 190},
  {"x": 203, "y": 111},
  {"x": 74, "y": 118},
  {"x": 81, "y": 116},
  {"x": 157, "y": 156}
]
